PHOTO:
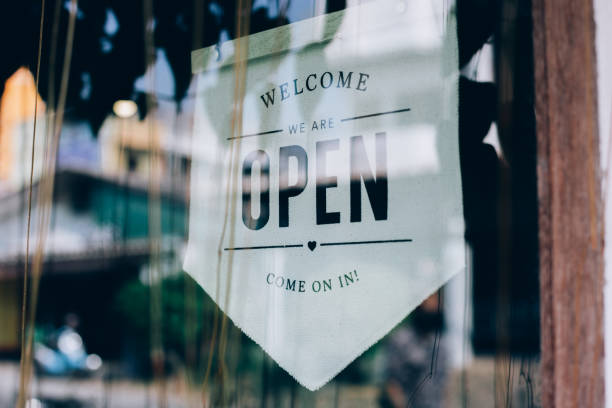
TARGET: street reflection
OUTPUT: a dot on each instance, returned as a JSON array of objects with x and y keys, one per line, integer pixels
[{"x": 119, "y": 323}]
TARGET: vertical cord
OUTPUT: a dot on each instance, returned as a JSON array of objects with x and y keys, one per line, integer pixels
[
  {"x": 154, "y": 214},
  {"x": 191, "y": 304},
  {"x": 241, "y": 43},
  {"x": 46, "y": 202},
  {"x": 24, "y": 296},
  {"x": 434, "y": 357},
  {"x": 243, "y": 11},
  {"x": 199, "y": 13},
  {"x": 466, "y": 326}
]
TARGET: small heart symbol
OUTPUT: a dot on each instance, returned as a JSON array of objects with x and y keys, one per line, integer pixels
[{"x": 312, "y": 245}]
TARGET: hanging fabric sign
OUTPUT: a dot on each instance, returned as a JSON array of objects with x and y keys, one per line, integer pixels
[{"x": 325, "y": 184}]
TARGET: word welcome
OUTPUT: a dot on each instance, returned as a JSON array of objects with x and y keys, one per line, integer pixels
[{"x": 311, "y": 82}]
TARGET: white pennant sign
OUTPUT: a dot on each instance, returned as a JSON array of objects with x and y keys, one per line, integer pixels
[{"x": 329, "y": 205}]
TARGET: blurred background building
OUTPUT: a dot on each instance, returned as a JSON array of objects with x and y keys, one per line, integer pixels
[{"x": 115, "y": 217}]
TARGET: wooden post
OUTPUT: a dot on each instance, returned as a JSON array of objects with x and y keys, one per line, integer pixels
[{"x": 570, "y": 204}]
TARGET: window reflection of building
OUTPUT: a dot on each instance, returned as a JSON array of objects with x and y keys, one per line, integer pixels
[
  {"x": 114, "y": 202},
  {"x": 98, "y": 238},
  {"x": 16, "y": 128}
]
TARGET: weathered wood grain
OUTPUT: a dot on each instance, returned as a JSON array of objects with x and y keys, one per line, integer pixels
[{"x": 570, "y": 204}]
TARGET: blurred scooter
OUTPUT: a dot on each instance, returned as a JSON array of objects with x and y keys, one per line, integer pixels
[{"x": 66, "y": 354}]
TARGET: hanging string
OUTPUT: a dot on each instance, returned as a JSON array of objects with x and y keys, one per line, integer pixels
[
  {"x": 22, "y": 380},
  {"x": 154, "y": 215},
  {"x": 433, "y": 364},
  {"x": 466, "y": 329},
  {"x": 241, "y": 51},
  {"x": 243, "y": 13},
  {"x": 45, "y": 197}
]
